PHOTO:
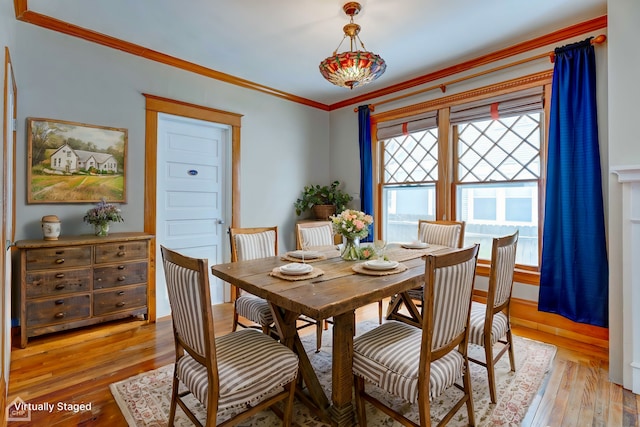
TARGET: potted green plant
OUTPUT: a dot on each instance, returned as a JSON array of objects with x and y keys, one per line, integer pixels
[{"x": 324, "y": 201}]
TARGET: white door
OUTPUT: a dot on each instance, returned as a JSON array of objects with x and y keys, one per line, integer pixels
[{"x": 191, "y": 205}]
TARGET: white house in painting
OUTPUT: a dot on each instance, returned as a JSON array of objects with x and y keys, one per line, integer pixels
[{"x": 67, "y": 159}]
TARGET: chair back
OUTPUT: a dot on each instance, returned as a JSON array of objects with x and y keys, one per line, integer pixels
[
  {"x": 314, "y": 233},
  {"x": 445, "y": 233},
  {"x": 190, "y": 301},
  {"x": 503, "y": 262},
  {"x": 449, "y": 280},
  {"x": 253, "y": 243}
]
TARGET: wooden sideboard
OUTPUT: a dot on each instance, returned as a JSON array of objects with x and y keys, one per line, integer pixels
[{"x": 82, "y": 280}]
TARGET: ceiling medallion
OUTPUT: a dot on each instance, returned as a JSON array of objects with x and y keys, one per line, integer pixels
[{"x": 354, "y": 67}]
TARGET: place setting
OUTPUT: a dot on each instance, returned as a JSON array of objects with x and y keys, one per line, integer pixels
[
  {"x": 304, "y": 256},
  {"x": 296, "y": 271},
  {"x": 380, "y": 266}
]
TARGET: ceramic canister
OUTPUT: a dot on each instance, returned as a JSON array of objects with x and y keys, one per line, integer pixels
[{"x": 50, "y": 227}]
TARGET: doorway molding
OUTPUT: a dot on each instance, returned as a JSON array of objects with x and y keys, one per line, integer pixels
[{"x": 155, "y": 105}]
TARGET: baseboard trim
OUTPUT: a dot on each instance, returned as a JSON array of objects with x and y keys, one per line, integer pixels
[{"x": 525, "y": 313}]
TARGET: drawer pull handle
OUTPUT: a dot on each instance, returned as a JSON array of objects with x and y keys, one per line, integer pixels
[
  {"x": 121, "y": 278},
  {"x": 60, "y": 261},
  {"x": 99, "y": 279},
  {"x": 59, "y": 275},
  {"x": 59, "y": 315},
  {"x": 59, "y": 302},
  {"x": 121, "y": 267},
  {"x": 60, "y": 287},
  {"x": 120, "y": 304},
  {"x": 120, "y": 293},
  {"x": 37, "y": 282},
  {"x": 122, "y": 253},
  {"x": 59, "y": 252}
]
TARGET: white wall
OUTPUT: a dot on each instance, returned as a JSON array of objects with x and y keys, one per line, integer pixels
[
  {"x": 284, "y": 144},
  {"x": 624, "y": 149}
]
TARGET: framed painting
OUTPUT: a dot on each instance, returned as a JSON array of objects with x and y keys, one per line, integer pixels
[{"x": 74, "y": 162}]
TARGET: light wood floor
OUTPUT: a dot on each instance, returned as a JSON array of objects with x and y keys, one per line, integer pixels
[{"x": 78, "y": 366}]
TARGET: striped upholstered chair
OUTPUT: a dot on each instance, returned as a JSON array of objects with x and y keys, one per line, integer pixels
[
  {"x": 490, "y": 323},
  {"x": 215, "y": 370},
  {"x": 314, "y": 233},
  {"x": 248, "y": 244},
  {"x": 419, "y": 364},
  {"x": 439, "y": 232},
  {"x": 445, "y": 233}
]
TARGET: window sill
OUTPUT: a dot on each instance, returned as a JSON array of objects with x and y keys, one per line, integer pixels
[{"x": 520, "y": 275}]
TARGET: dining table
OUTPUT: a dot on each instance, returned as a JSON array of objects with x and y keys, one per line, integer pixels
[{"x": 332, "y": 288}]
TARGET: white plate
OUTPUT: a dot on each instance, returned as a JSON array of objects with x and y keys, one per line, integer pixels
[
  {"x": 296, "y": 269},
  {"x": 307, "y": 254},
  {"x": 380, "y": 265},
  {"x": 415, "y": 245}
]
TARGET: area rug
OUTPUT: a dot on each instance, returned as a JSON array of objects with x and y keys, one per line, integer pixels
[{"x": 144, "y": 399}]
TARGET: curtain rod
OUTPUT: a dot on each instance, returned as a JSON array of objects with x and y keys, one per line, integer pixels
[{"x": 443, "y": 86}]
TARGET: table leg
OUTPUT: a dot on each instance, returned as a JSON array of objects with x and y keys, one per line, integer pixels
[
  {"x": 342, "y": 411},
  {"x": 286, "y": 326},
  {"x": 414, "y": 317}
]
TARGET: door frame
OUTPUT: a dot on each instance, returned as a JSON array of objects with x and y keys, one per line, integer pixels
[
  {"x": 8, "y": 138},
  {"x": 155, "y": 105}
]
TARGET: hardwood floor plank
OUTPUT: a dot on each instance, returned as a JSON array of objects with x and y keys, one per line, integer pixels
[
  {"x": 615, "y": 406},
  {"x": 545, "y": 408},
  {"x": 78, "y": 366},
  {"x": 589, "y": 393}
]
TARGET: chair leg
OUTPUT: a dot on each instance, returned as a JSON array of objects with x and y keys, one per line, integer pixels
[
  {"x": 380, "y": 312},
  {"x": 424, "y": 409},
  {"x": 234, "y": 326},
  {"x": 361, "y": 410},
  {"x": 512, "y": 358},
  {"x": 488, "y": 354},
  {"x": 466, "y": 382},
  {"x": 319, "y": 325},
  {"x": 174, "y": 399},
  {"x": 288, "y": 404}
]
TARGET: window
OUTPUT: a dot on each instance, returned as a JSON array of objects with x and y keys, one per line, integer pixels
[
  {"x": 498, "y": 172},
  {"x": 410, "y": 174},
  {"x": 493, "y": 146}
]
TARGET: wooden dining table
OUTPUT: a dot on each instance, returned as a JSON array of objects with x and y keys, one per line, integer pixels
[{"x": 337, "y": 289}]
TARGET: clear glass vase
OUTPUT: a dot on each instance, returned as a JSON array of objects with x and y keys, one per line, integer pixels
[
  {"x": 350, "y": 249},
  {"x": 102, "y": 230}
]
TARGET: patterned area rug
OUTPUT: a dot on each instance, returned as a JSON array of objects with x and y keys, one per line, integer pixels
[{"x": 144, "y": 399}]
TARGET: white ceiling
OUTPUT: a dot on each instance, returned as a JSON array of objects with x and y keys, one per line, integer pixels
[{"x": 279, "y": 43}]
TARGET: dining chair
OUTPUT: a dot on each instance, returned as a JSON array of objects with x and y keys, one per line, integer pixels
[
  {"x": 313, "y": 234},
  {"x": 489, "y": 322},
  {"x": 441, "y": 232},
  {"x": 433, "y": 232},
  {"x": 419, "y": 364},
  {"x": 247, "y": 244},
  {"x": 245, "y": 371}
]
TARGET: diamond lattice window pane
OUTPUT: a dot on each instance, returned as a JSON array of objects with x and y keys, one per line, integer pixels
[{"x": 506, "y": 149}]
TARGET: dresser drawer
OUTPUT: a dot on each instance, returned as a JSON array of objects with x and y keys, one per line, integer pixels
[
  {"x": 37, "y": 259},
  {"x": 119, "y": 275},
  {"x": 115, "y": 300},
  {"x": 58, "y": 310},
  {"x": 51, "y": 283},
  {"x": 124, "y": 251}
]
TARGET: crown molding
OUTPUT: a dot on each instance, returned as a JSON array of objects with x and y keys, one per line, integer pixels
[{"x": 25, "y": 15}]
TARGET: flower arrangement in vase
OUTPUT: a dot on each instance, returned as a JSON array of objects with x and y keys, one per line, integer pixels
[
  {"x": 101, "y": 215},
  {"x": 353, "y": 225}
]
